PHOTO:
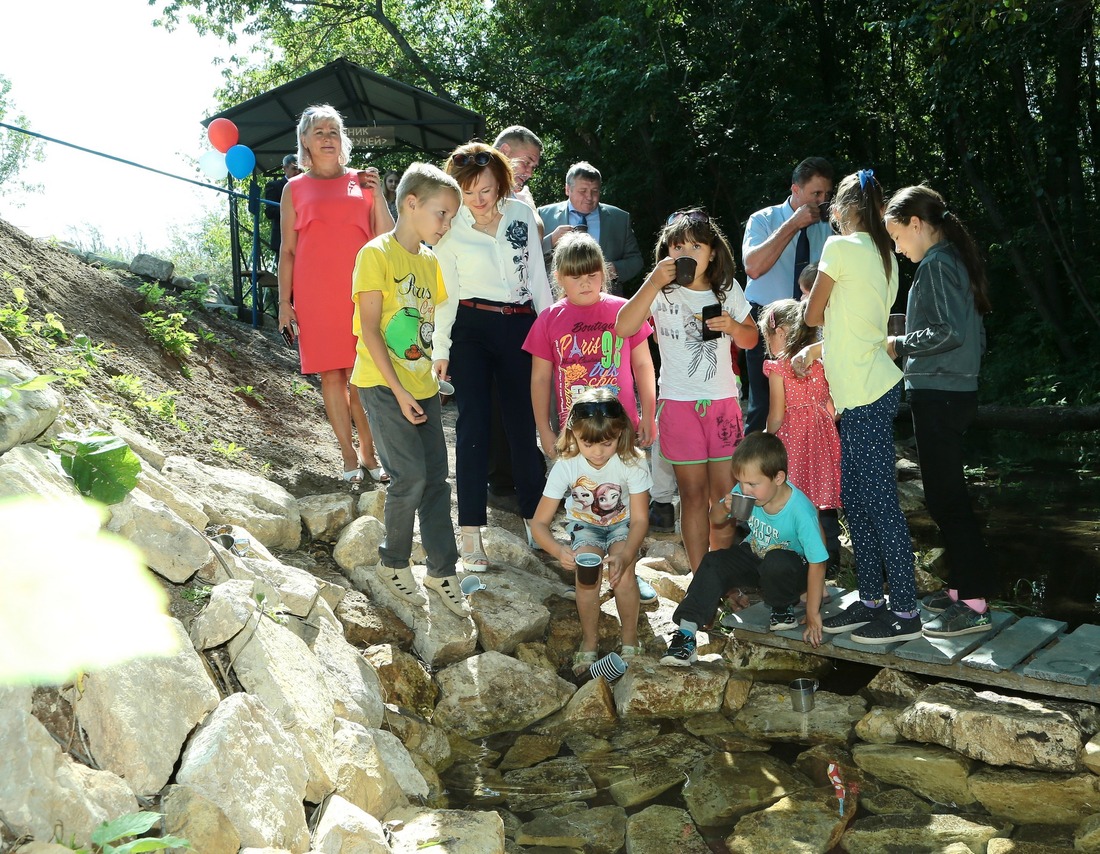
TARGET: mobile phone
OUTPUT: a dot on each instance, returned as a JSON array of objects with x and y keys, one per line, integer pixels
[
  {"x": 290, "y": 333},
  {"x": 708, "y": 312}
]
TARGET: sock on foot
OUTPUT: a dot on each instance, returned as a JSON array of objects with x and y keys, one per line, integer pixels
[
  {"x": 954, "y": 594},
  {"x": 873, "y": 603},
  {"x": 978, "y": 605},
  {"x": 907, "y": 615},
  {"x": 688, "y": 627}
]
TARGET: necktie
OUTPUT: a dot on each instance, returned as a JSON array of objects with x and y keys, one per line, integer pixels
[
  {"x": 801, "y": 259},
  {"x": 584, "y": 219}
]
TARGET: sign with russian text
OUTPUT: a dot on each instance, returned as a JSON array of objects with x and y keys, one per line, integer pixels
[{"x": 379, "y": 136}]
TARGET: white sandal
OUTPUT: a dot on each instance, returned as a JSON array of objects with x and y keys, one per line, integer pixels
[
  {"x": 450, "y": 593},
  {"x": 472, "y": 554},
  {"x": 400, "y": 582}
]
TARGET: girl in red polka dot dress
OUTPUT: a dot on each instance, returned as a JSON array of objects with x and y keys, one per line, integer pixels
[{"x": 802, "y": 413}]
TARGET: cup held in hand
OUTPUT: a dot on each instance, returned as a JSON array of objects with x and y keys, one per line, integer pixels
[
  {"x": 685, "y": 270},
  {"x": 741, "y": 506},
  {"x": 802, "y": 694},
  {"x": 895, "y": 325},
  {"x": 588, "y": 568},
  {"x": 471, "y": 584}
]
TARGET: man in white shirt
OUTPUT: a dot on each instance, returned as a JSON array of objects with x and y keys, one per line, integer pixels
[
  {"x": 524, "y": 149},
  {"x": 779, "y": 242}
]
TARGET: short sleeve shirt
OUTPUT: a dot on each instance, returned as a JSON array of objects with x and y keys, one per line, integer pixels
[{"x": 597, "y": 496}]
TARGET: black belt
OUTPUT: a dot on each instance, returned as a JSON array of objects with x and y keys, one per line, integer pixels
[{"x": 499, "y": 308}]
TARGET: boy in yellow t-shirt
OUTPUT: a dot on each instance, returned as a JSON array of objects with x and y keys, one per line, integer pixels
[{"x": 396, "y": 286}]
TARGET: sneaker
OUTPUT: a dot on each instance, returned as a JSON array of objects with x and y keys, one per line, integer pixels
[
  {"x": 450, "y": 593},
  {"x": 646, "y": 594},
  {"x": 570, "y": 593},
  {"x": 854, "y": 616},
  {"x": 681, "y": 650},
  {"x": 958, "y": 619},
  {"x": 400, "y": 582},
  {"x": 662, "y": 517},
  {"x": 938, "y": 602},
  {"x": 782, "y": 619},
  {"x": 888, "y": 628}
]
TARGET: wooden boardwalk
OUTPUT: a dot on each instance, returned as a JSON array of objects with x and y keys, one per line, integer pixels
[{"x": 1030, "y": 654}]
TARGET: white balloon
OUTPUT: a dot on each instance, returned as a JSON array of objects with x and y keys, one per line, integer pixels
[{"x": 212, "y": 164}]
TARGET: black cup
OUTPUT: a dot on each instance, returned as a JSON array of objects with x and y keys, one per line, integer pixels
[
  {"x": 588, "y": 573},
  {"x": 580, "y": 229},
  {"x": 685, "y": 270}
]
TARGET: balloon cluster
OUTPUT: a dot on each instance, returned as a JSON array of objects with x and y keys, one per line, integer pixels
[{"x": 227, "y": 158}]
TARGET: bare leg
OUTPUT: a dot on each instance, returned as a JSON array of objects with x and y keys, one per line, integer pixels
[
  {"x": 588, "y": 609},
  {"x": 720, "y": 476},
  {"x": 694, "y": 487},
  {"x": 334, "y": 391},
  {"x": 626, "y": 599}
]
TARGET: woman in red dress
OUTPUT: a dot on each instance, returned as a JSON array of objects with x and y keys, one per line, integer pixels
[{"x": 328, "y": 213}]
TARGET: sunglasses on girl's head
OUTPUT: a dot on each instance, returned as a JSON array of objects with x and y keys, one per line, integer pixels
[
  {"x": 482, "y": 158},
  {"x": 602, "y": 408},
  {"x": 692, "y": 216}
]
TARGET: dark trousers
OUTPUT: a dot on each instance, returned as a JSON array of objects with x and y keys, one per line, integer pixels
[
  {"x": 940, "y": 421},
  {"x": 780, "y": 575},
  {"x": 756, "y": 416},
  {"x": 869, "y": 495},
  {"x": 487, "y": 348},
  {"x": 500, "y": 455}
]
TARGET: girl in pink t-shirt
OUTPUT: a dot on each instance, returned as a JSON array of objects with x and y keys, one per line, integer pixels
[{"x": 574, "y": 347}]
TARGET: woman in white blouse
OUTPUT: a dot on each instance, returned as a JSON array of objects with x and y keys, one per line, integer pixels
[{"x": 496, "y": 284}]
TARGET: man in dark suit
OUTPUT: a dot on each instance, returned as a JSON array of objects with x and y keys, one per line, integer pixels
[{"x": 609, "y": 225}]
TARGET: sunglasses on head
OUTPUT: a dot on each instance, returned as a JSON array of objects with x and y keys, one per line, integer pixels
[
  {"x": 482, "y": 158},
  {"x": 694, "y": 215},
  {"x": 594, "y": 408}
]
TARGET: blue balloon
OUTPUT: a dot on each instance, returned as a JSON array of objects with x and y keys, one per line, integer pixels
[{"x": 241, "y": 161}]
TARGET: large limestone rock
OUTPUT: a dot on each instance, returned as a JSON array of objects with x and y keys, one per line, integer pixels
[
  {"x": 151, "y": 267},
  {"x": 191, "y": 816},
  {"x": 466, "y": 831},
  {"x": 505, "y": 621},
  {"x": 243, "y": 760},
  {"x": 172, "y": 548},
  {"x": 325, "y": 516},
  {"x": 919, "y": 834},
  {"x": 159, "y": 488},
  {"x": 995, "y": 729},
  {"x": 118, "y": 707},
  {"x": 809, "y": 822},
  {"x": 591, "y": 709},
  {"x": 491, "y": 693},
  {"x": 441, "y": 637},
  {"x": 355, "y": 686},
  {"x": 661, "y": 830},
  {"x": 723, "y": 786},
  {"x": 768, "y": 715},
  {"x": 879, "y": 726},
  {"x": 751, "y": 660},
  {"x": 234, "y": 497},
  {"x": 367, "y": 623},
  {"x": 649, "y": 690},
  {"x": 363, "y": 776},
  {"x": 232, "y": 606},
  {"x": 25, "y": 414},
  {"x": 893, "y": 688},
  {"x": 42, "y": 788},
  {"x": 929, "y": 770},
  {"x": 602, "y": 830},
  {"x": 1032, "y": 797},
  {"x": 400, "y": 763},
  {"x": 358, "y": 543},
  {"x": 1087, "y": 835},
  {"x": 26, "y": 470},
  {"x": 556, "y": 781},
  {"x": 346, "y": 829},
  {"x": 404, "y": 680},
  {"x": 275, "y": 665},
  {"x": 420, "y": 737}
]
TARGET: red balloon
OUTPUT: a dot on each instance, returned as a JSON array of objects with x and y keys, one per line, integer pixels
[{"x": 223, "y": 134}]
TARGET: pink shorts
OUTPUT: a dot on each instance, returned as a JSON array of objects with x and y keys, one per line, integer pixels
[{"x": 699, "y": 431}]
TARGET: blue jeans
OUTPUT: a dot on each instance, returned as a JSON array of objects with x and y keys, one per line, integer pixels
[
  {"x": 869, "y": 495},
  {"x": 415, "y": 455}
]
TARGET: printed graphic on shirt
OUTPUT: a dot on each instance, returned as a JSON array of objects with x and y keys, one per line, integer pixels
[
  {"x": 590, "y": 356},
  {"x": 596, "y": 503},
  {"x": 679, "y": 323},
  {"x": 765, "y": 537},
  {"x": 516, "y": 235},
  {"x": 408, "y": 334}
]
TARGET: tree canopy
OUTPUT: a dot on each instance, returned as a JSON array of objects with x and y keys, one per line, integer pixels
[{"x": 992, "y": 102}]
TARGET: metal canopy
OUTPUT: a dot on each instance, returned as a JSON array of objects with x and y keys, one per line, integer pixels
[{"x": 422, "y": 121}]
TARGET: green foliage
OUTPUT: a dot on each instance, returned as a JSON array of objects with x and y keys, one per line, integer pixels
[
  {"x": 230, "y": 451},
  {"x": 153, "y": 292},
  {"x": 16, "y": 149},
  {"x": 10, "y": 390},
  {"x": 73, "y": 377},
  {"x": 128, "y": 386},
  {"x": 130, "y": 827},
  {"x": 101, "y": 465},
  {"x": 14, "y": 322},
  {"x": 167, "y": 330},
  {"x": 299, "y": 387},
  {"x": 196, "y": 595},
  {"x": 89, "y": 351},
  {"x": 249, "y": 392}
]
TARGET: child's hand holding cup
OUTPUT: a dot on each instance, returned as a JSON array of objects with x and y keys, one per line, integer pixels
[{"x": 589, "y": 567}]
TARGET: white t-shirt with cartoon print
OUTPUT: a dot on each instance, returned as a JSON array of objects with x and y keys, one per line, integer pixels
[
  {"x": 597, "y": 496},
  {"x": 691, "y": 368}
]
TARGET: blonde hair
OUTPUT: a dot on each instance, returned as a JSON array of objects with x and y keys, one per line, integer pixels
[
  {"x": 791, "y": 315},
  {"x": 424, "y": 180},
  {"x": 312, "y": 116},
  {"x": 578, "y": 254},
  {"x": 610, "y": 424}
]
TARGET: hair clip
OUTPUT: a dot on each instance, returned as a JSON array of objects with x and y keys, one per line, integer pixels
[
  {"x": 945, "y": 213},
  {"x": 864, "y": 176},
  {"x": 771, "y": 321}
]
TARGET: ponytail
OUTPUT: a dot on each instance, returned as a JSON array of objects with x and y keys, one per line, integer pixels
[
  {"x": 861, "y": 194},
  {"x": 926, "y": 204}
]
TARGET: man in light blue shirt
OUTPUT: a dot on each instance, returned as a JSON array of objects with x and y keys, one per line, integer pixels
[{"x": 779, "y": 242}]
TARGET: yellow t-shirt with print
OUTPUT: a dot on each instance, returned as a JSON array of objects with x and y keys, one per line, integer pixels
[
  {"x": 411, "y": 286},
  {"x": 857, "y": 366}
]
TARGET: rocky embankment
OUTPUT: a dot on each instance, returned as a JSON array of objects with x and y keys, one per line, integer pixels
[{"x": 307, "y": 710}]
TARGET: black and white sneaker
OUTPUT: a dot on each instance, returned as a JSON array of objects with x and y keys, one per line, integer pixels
[
  {"x": 938, "y": 602},
  {"x": 855, "y": 616},
  {"x": 681, "y": 650},
  {"x": 889, "y": 628},
  {"x": 782, "y": 619}
]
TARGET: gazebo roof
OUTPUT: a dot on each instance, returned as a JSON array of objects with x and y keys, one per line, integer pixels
[{"x": 420, "y": 120}]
